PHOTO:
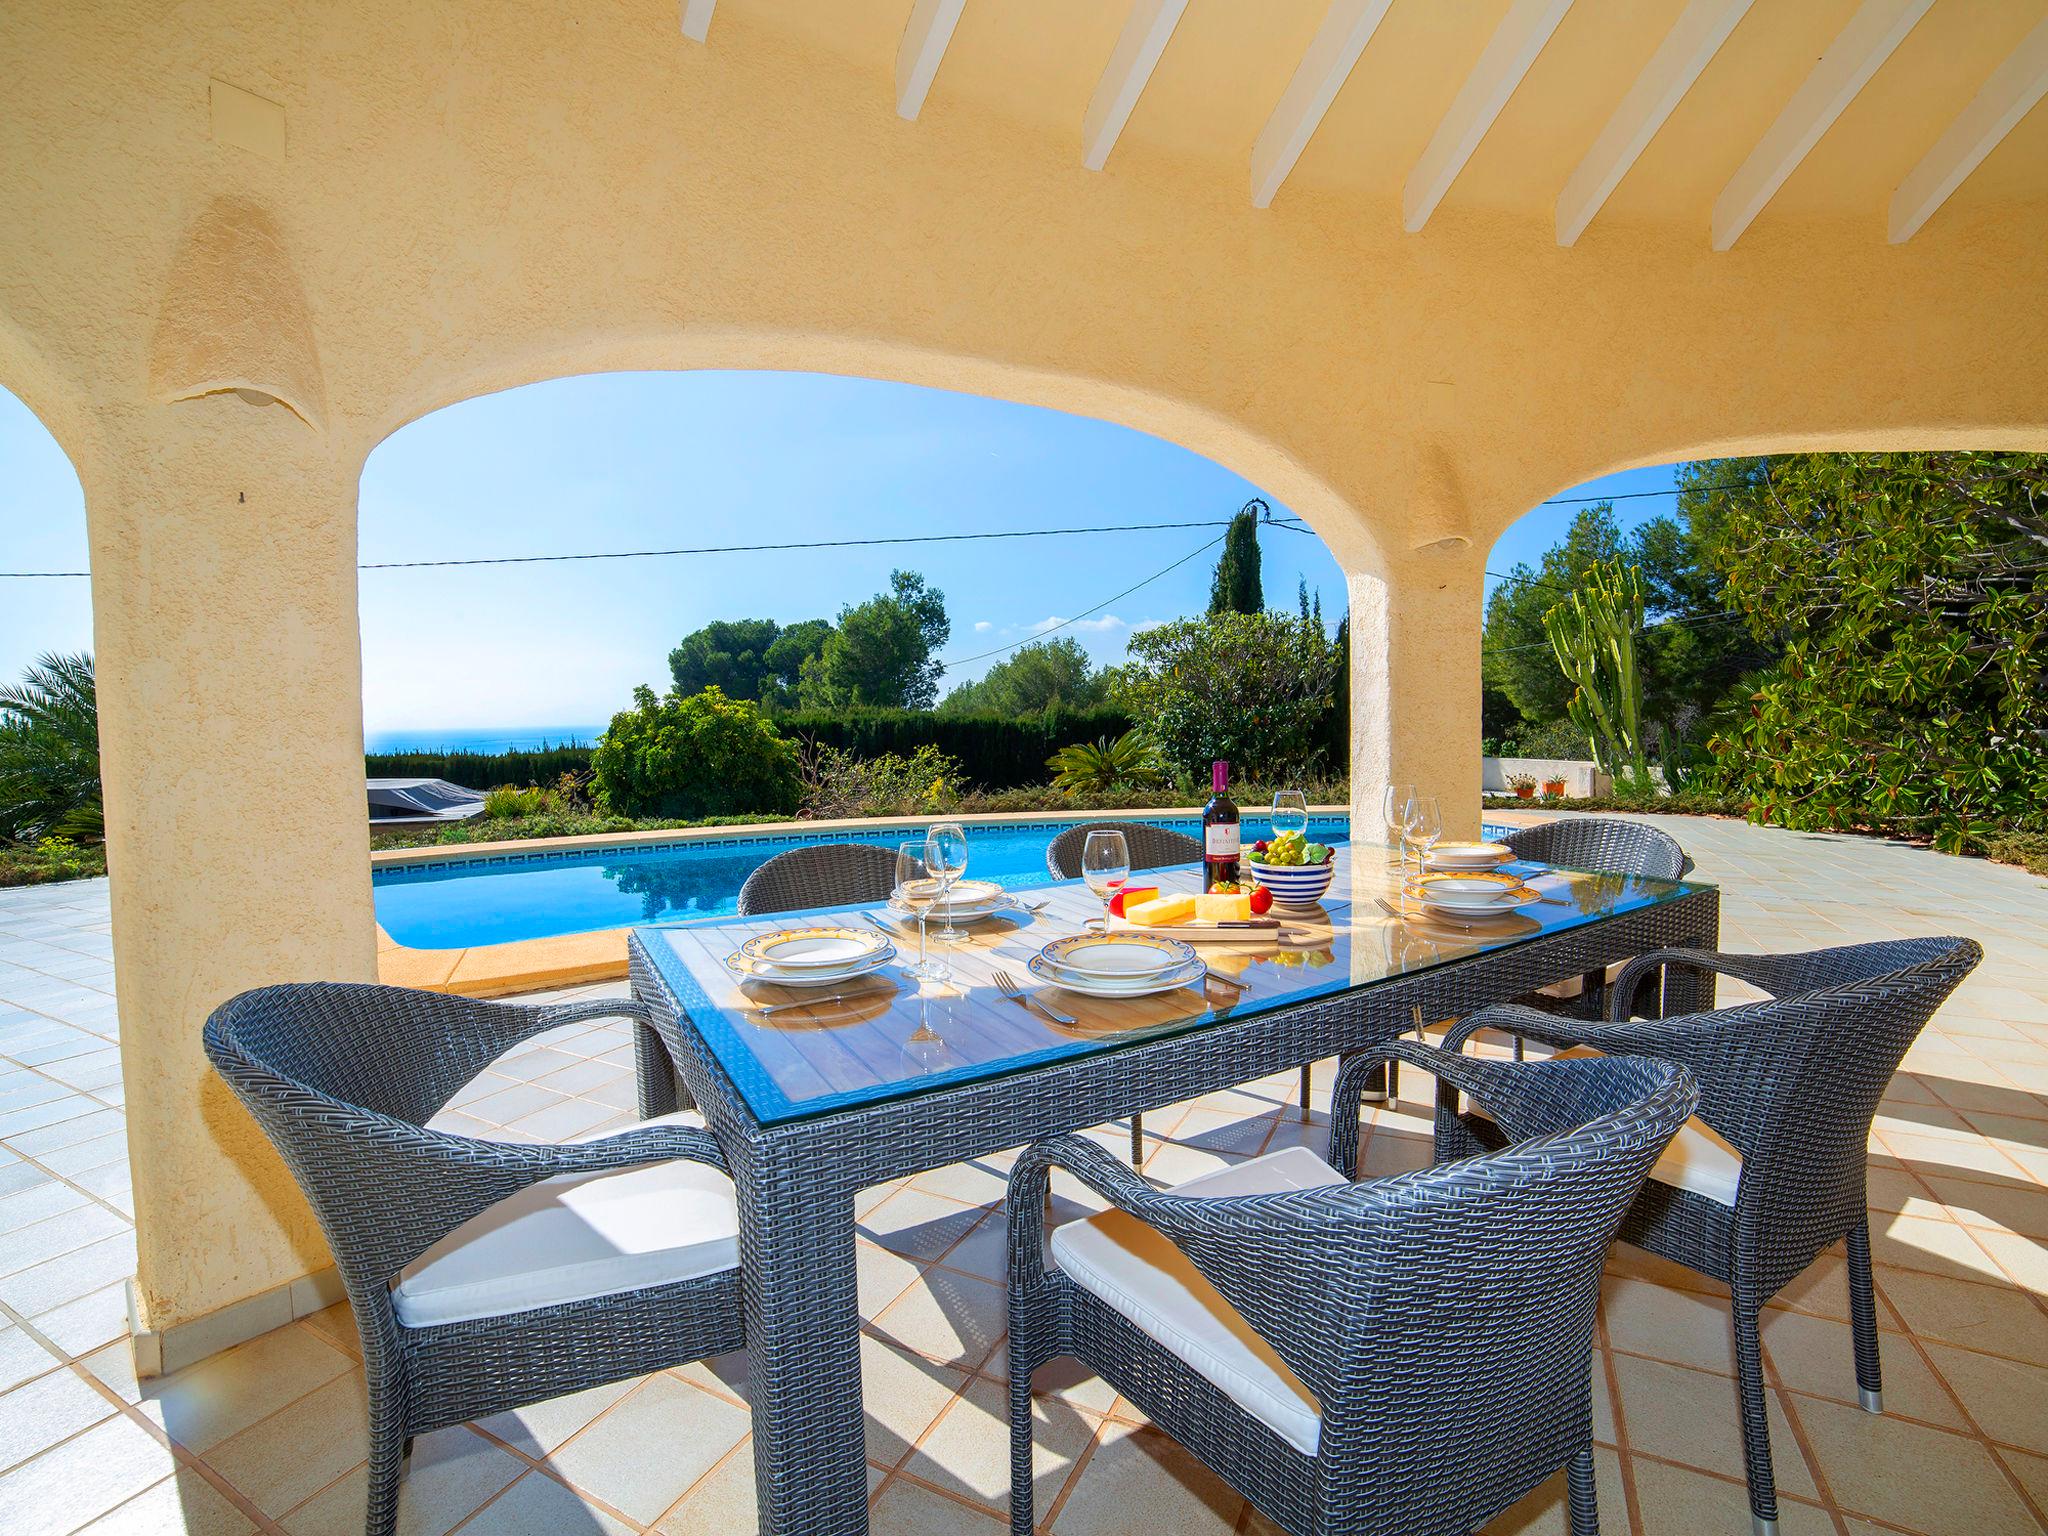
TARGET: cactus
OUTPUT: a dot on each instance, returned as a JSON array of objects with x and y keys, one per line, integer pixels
[{"x": 1593, "y": 632}]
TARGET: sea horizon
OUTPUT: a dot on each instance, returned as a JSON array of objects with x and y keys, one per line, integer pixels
[{"x": 480, "y": 738}]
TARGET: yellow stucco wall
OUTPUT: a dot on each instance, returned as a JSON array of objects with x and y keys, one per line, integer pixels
[{"x": 464, "y": 198}]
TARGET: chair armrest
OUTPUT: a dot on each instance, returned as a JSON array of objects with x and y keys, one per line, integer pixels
[
  {"x": 1030, "y": 1177},
  {"x": 554, "y": 1015},
  {"x": 1768, "y": 973}
]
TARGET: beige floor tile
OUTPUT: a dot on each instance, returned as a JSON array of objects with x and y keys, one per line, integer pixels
[
  {"x": 2024, "y": 1259},
  {"x": 337, "y": 1325},
  {"x": 539, "y": 1427},
  {"x": 1543, "y": 1510},
  {"x": 60, "y": 1234},
  {"x": 1924, "y": 1479},
  {"x": 983, "y": 1181},
  {"x": 51, "y": 1408},
  {"x": 2010, "y": 1207},
  {"x": 1692, "y": 1417},
  {"x": 81, "y": 1326},
  {"x": 1997, "y": 1319},
  {"x": 537, "y": 1505},
  {"x": 905, "y": 1509},
  {"x": 968, "y": 1451},
  {"x": 1685, "y": 1326},
  {"x": 721, "y": 1504},
  {"x": 1815, "y": 1356},
  {"x": 611, "y": 1458},
  {"x": 453, "y": 1472},
  {"x": 904, "y": 1395},
  {"x": 1677, "y": 1501},
  {"x": 2008, "y": 1400},
  {"x": 49, "y": 1285},
  {"x": 918, "y": 1225},
  {"x": 880, "y": 1276},
  {"x": 1142, "y": 1475},
  {"x": 21, "y": 1357},
  {"x": 206, "y": 1403},
  {"x": 287, "y": 1458},
  {"x": 184, "y": 1504},
  {"x": 722, "y": 1375},
  {"x": 1822, "y": 1290},
  {"x": 81, "y": 1479},
  {"x": 985, "y": 1251},
  {"x": 952, "y": 1318},
  {"x": 2032, "y": 1471},
  {"x": 1938, "y": 1247}
]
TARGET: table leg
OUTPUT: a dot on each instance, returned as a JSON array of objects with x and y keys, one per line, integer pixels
[
  {"x": 803, "y": 1345},
  {"x": 654, "y": 1073},
  {"x": 1686, "y": 990}
]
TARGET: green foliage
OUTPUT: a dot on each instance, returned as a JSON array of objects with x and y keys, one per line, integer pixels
[
  {"x": 883, "y": 653},
  {"x": 1912, "y": 594},
  {"x": 1236, "y": 587},
  {"x": 693, "y": 755},
  {"x": 795, "y": 645},
  {"x": 839, "y": 784},
  {"x": 481, "y": 770},
  {"x": 1593, "y": 634},
  {"x": 505, "y": 802},
  {"x": 2029, "y": 850},
  {"x": 1033, "y": 678},
  {"x": 1252, "y": 688},
  {"x": 1133, "y": 759},
  {"x": 50, "y": 753},
  {"x": 993, "y": 751},
  {"x": 49, "y": 859},
  {"x": 747, "y": 658}
]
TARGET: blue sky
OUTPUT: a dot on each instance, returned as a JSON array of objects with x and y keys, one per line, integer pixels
[{"x": 630, "y": 461}]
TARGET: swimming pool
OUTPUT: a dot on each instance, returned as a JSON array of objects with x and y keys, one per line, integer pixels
[{"x": 501, "y": 897}]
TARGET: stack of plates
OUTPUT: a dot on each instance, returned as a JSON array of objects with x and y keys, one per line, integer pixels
[
  {"x": 811, "y": 957},
  {"x": 1472, "y": 893},
  {"x": 1469, "y": 855},
  {"x": 1117, "y": 964},
  {"x": 968, "y": 902}
]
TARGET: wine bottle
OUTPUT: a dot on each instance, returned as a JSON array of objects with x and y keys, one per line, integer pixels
[{"x": 1220, "y": 837}]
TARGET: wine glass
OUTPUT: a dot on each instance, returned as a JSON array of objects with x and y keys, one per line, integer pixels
[
  {"x": 1290, "y": 812},
  {"x": 1394, "y": 804},
  {"x": 1425, "y": 826},
  {"x": 1105, "y": 865},
  {"x": 945, "y": 860},
  {"x": 917, "y": 890}
]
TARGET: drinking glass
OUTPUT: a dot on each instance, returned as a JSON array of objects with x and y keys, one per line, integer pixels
[
  {"x": 1394, "y": 804},
  {"x": 1105, "y": 865},
  {"x": 1290, "y": 812},
  {"x": 917, "y": 890},
  {"x": 945, "y": 860},
  {"x": 1425, "y": 826}
]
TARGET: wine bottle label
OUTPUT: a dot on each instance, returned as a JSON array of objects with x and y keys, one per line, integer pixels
[{"x": 1221, "y": 841}]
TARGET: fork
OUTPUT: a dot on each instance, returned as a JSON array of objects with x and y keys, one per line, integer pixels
[
  {"x": 1447, "y": 922},
  {"x": 1007, "y": 985}
]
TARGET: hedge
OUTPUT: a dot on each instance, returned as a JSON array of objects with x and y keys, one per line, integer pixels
[
  {"x": 480, "y": 770},
  {"x": 994, "y": 751}
]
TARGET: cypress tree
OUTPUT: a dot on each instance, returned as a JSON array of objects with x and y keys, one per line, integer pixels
[{"x": 1236, "y": 588}]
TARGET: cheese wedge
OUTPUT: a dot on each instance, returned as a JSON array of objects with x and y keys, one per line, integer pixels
[
  {"x": 1226, "y": 908},
  {"x": 1161, "y": 911}
]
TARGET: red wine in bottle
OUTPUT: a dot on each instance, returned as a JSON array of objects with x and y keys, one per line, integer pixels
[{"x": 1219, "y": 832}]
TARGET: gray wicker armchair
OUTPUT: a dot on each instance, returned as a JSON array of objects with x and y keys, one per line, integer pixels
[
  {"x": 1151, "y": 847},
  {"x": 484, "y": 1275},
  {"x": 1403, "y": 1356},
  {"x": 1771, "y": 1173},
  {"x": 829, "y": 875}
]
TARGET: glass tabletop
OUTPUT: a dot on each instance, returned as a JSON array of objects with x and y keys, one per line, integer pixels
[{"x": 886, "y": 1035}]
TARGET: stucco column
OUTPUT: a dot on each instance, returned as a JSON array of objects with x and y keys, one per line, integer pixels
[
  {"x": 1415, "y": 685},
  {"x": 223, "y": 538}
]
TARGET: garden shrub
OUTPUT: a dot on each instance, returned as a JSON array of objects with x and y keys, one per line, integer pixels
[
  {"x": 697, "y": 755},
  {"x": 992, "y": 751},
  {"x": 837, "y": 783},
  {"x": 481, "y": 770}
]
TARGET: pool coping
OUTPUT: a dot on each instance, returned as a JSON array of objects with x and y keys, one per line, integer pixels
[{"x": 577, "y": 959}]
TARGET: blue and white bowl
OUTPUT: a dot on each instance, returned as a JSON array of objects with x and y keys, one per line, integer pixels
[{"x": 1292, "y": 885}]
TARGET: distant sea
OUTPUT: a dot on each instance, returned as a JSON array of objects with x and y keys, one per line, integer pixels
[{"x": 511, "y": 738}]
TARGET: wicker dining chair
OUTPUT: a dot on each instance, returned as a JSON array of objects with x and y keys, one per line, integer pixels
[
  {"x": 1150, "y": 847},
  {"x": 828, "y": 875},
  {"x": 484, "y": 1275},
  {"x": 1404, "y": 1356},
  {"x": 1770, "y": 1174}
]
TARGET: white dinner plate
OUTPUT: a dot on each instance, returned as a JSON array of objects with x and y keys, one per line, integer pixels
[
  {"x": 1469, "y": 855},
  {"x": 821, "y": 948},
  {"x": 1097, "y": 986},
  {"x": 809, "y": 976},
  {"x": 1458, "y": 906},
  {"x": 1117, "y": 956}
]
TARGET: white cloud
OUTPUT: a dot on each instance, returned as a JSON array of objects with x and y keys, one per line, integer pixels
[{"x": 982, "y": 626}]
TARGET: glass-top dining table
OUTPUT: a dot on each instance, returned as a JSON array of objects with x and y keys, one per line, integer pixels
[{"x": 814, "y": 1103}]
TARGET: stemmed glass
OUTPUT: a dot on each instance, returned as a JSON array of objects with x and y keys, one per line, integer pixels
[
  {"x": 917, "y": 890},
  {"x": 1394, "y": 811},
  {"x": 1290, "y": 812},
  {"x": 1425, "y": 826},
  {"x": 1105, "y": 865},
  {"x": 945, "y": 859}
]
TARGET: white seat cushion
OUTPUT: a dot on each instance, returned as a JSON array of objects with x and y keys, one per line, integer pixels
[
  {"x": 1132, "y": 1268},
  {"x": 576, "y": 1236},
  {"x": 1699, "y": 1158}
]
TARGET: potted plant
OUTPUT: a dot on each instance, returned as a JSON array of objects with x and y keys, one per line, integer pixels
[
  {"x": 1524, "y": 785},
  {"x": 1553, "y": 789}
]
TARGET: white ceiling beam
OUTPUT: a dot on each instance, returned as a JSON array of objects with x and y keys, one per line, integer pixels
[
  {"x": 1346, "y": 29},
  {"x": 924, "y": 44},
  {"x": 1858, "y": 51},
  {"x": 1687, "y": 48},
  {"x": 1138, "y": 47},
  {"x": 697, "y": 19},
  {"x": 1505, "y": 60},
  {"x": 2009, "y": 95}
]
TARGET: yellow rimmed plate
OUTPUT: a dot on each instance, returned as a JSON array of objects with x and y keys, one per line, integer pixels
[{"x": 803, "y": 949}]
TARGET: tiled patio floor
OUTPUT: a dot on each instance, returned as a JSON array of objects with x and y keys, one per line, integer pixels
[{"x": 269, "y": 1436}]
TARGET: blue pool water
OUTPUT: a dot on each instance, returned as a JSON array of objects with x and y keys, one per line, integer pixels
[{"x": 502, "y": 897}]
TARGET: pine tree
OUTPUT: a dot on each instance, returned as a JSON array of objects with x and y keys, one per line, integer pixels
[{"x": 1236, "y": 588}]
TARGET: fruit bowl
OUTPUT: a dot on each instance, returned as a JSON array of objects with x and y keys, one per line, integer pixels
[{"x": 1292, "y": 885}]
